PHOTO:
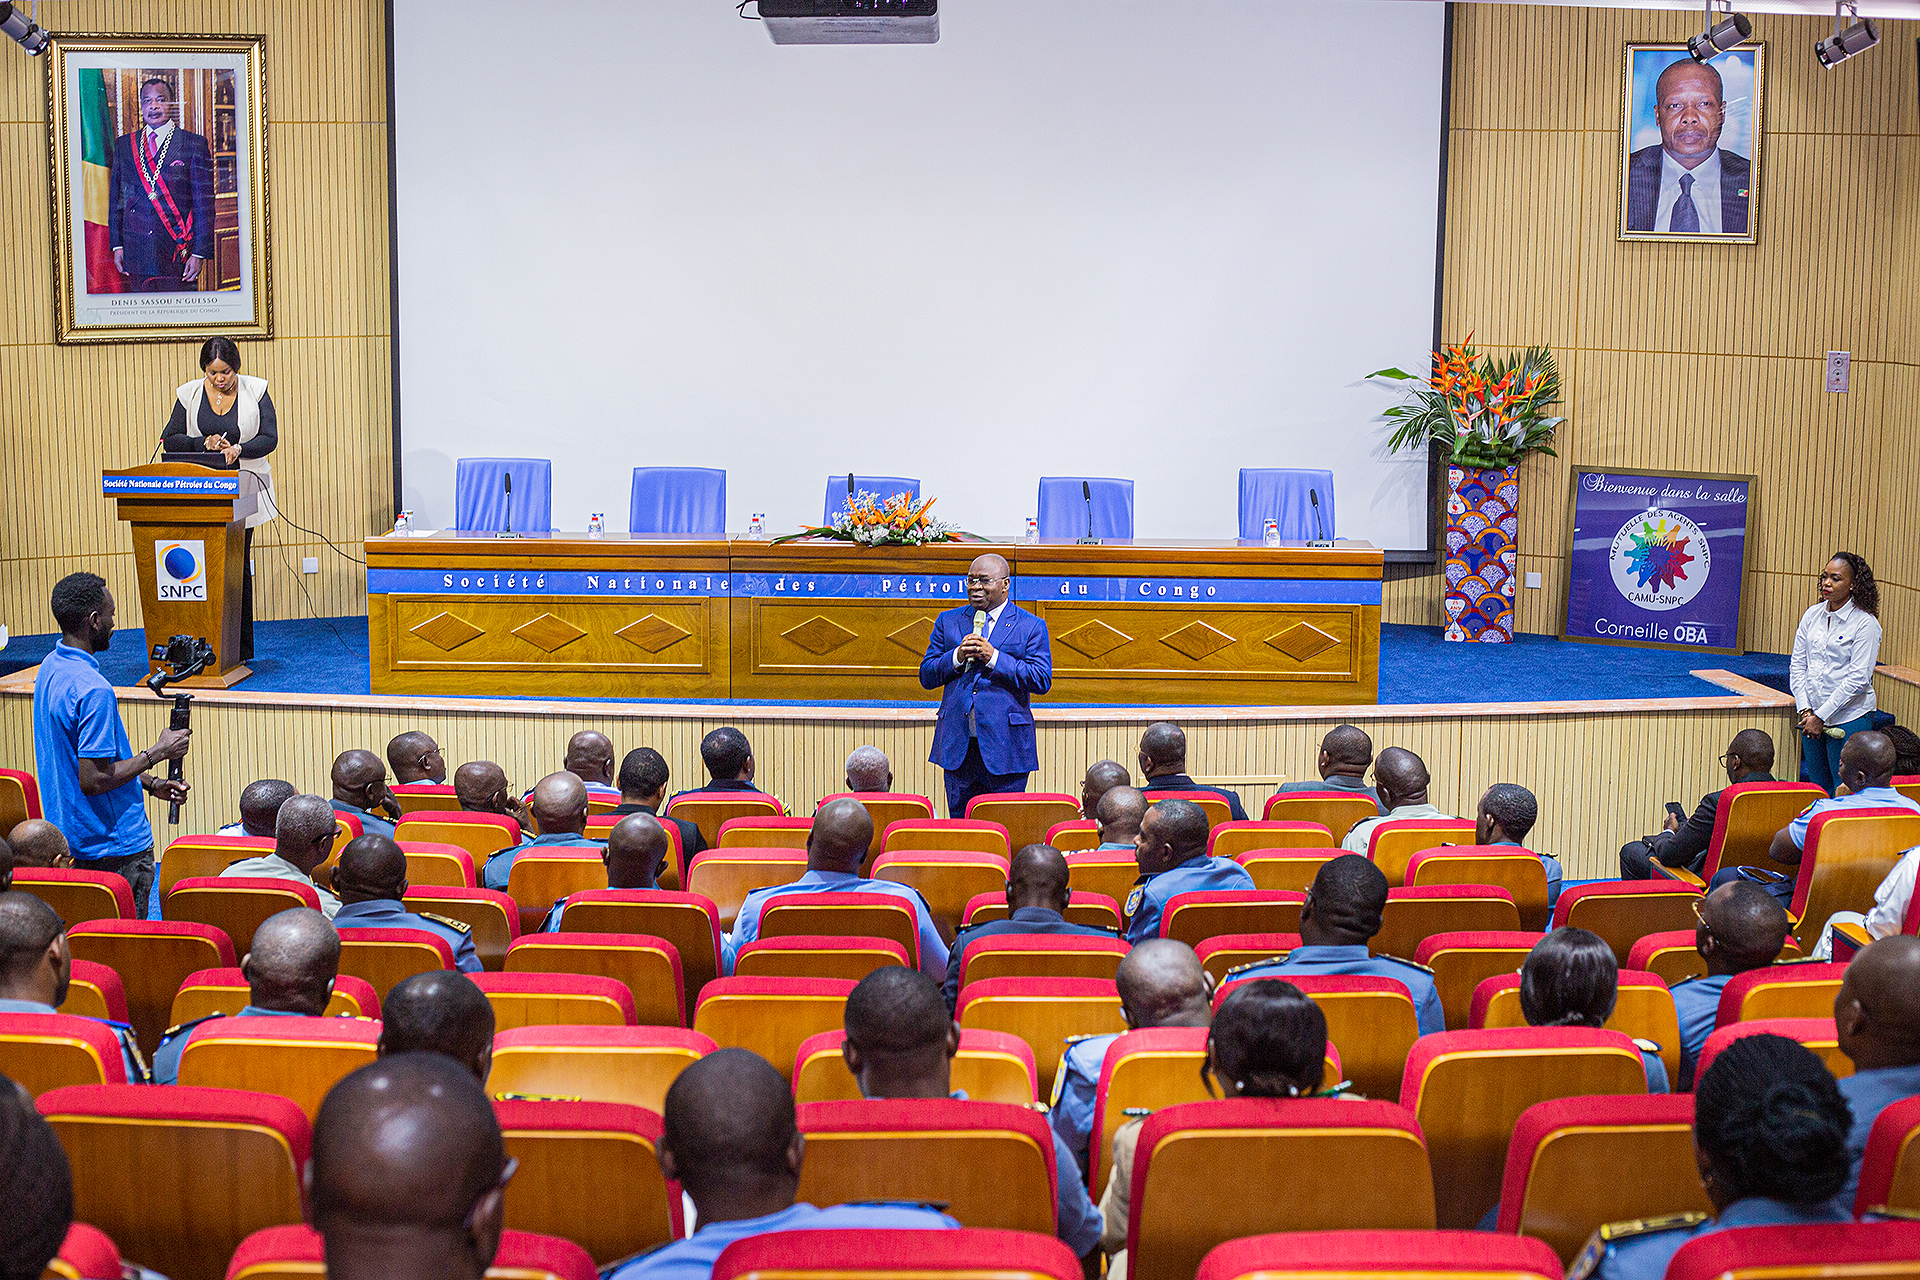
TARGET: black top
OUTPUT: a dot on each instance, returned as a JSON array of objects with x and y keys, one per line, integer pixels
[
  {"x": 691, "y": 841},
  {"x": 221, "y": 424},
  {"x": 1181, "y": 782}
]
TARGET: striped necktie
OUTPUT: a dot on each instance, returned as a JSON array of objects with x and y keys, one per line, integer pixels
[{"x": 1685, "y": 216}]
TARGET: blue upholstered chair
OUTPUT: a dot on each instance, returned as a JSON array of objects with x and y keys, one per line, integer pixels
[
  {"x": 1063, "y": 507},
  {"x": 678, "y": 500},
  {"x": 480, "y": 498},
  {"x": 1280, "y": 493},
  {"x": 885, "y": 486}
]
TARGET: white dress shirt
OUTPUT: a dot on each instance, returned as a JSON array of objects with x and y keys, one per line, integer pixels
[
  {"x": 1705, "y": 192},
  {"x": 1834, "y": 653},
  {"x": 993, "y": 620}
]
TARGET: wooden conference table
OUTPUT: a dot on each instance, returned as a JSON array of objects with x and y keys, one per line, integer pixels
[{"x": 1138, "y": 622}]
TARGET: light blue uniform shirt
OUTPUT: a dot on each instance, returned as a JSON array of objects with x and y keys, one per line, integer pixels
[
  {"x": 1307, "y": 961},
  {"x": 1869, "y": 1093},
  {"x": 500, "y": 865},
  {"x": 371, "y": 824},
  {"x": 746, "y": 926},
  {"x": 1150, "y": 894},
  {"x": 75, "y": 718},
  {"x": 1867, "y": 798},
  {"x": 1697, "y": 1001},
  {"x": 1075, "y": 1091},
  {"x": 1645, "y": 1257},
  {"x": 129, "y": 1055},
  {"x": 166, "y": 1059},
  {"x": 693, "y": 1258},
  {"x": 385, "y": 913}
]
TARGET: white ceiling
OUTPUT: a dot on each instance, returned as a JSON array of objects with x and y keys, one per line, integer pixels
[{"x": 1813, "y": 8}]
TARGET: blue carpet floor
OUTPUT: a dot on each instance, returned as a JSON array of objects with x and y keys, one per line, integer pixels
[{"x": 329, "y": 655}]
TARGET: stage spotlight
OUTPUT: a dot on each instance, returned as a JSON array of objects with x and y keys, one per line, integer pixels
[
  {"x": 1722, "y": 35},
  {"x": 21, "y": 29},
  {"x": 1858, "y": 38}
]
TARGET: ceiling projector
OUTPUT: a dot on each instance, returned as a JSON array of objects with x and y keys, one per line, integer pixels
[{"x": 851, "y": 21}]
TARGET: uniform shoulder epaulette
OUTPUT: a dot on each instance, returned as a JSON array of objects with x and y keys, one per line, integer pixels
[
  {"x": 1646, "y": 1046},
  {"x": 934, "y": 1206},
  {"x": 189, "y": 1025},
  {"x": 1090, "y": 1035},
  {"x": 1595, "y": 1251},
  {"x": 237, "y": 861},
  {"x": 532, "y": 1097},
  {"x": 458, "y": 926},
  {"x": 1692, "y": 977},
  {"x": 1253, "y": 964},
  {"x": 1411, "y": 964}
]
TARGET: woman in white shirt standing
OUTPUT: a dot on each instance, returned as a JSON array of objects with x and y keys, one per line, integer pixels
[{"x": 1834, "y": 653}]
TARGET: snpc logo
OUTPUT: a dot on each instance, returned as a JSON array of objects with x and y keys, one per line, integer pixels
[{"x": 180, "y": 570}]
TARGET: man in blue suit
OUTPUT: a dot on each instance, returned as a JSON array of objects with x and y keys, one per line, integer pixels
[
  {"x": 992, "y": 656},
  {"x": 160, "y": 198}
]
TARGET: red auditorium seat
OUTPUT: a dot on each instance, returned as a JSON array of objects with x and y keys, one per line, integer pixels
[
  {"x": 711, "y": 810},
  {"x": 1643, "y": 1009},
  {"x": 152, "y": 957},
  {"x": 1041, "y": 955},
  {"x": 1563, "y": 1174},
  {"x": 226, "y": 991},
  {"x": 1890, "y": 1176},
  {"x": 1745, "y": 821},
  {"x": 425, "y": 797},
  {"x": 430, "y": 863},
  {"x": 763, "y": 831},
  {"x": 297, "y": 1058},
  {"x": 42, "y": 1051},
  {"x": 19, "y": 798},
  {"x": 1518, "y": 871},
  {"x": 481, "y": 834},
  {"x": 727, "y": 876},
  {"x": 991, "y": 1066},
  {"x": 1372, "y": 1020},
  {"x": 946, "y": 833},
  {"x": 1177, "y": 1214},
  {"x": 1216, "y": 808},
  {"x": 205, "y": 856},
  {"x": 1625, "y": 911},
  {"x": 1817, "y": 1034},
  {"x": 1095, "y": 910},
  {"x": 990, "y": 1163},
  {"x": 1043, "y": 1012},
  {"x": 210, "y": 1167},
  {"x": 885, "y": 808},
  {"x": 296, "y": 1253},
  {"x": 771, "y": 1016},
  {"x": 1027, "y": 815},
  {"x": 549, "y": 999},
  {"x": 1415, "y": 913},
  {"x": 1142, "y": 1071},
  {"x": 1461, "y": 961},
  {"x": 236, "y": 905},
  {"x": 1469, "y": 1088},
  {"x": 1337, "y": 811},
  {"x": 946, "y": 879},
  {"x": 1078, "y": 836},
  {"x": 386, "y": 957},
  {"x": 1199, "y": 914},
  {"x": 1392, "y": 844},
  {"x": 1676, "y": 955},
  {"x": 75, "y": 894},
  {"x": 86, "y": 1254},
  {"x": 800, "y": 956},
  {"x": 1848, "y": 853},
  {"x": 633, "y": 1065},
  {"x": 541, "y": 876},
  {"x": 1857, "y": 1250},
  {"x": 689, "y": 921},
  {"x": 1351, "y": 1255},
  {"x": 1236, "y": 839},
  {"x": 1107, "y": 872},
  {"x": 1286, "y": 869},
  {"x": 590, "y": 1173},
  {"x": 649, "y": 966},
  {"x": 1800, "y": 990},
  {"x": 854, "y": 915},
  {"x": 493, "y": 916},
  {"x": 672, "y": 876},
  {"x": 887, "y": 1255},
  {"x": 95, "y": 991},
  {"x": 1219, "y": 956}
]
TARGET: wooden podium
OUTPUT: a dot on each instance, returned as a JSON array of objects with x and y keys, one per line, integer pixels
[{"x": 189, "y": 551}]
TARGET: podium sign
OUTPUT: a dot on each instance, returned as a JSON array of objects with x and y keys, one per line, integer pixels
[{"x": 189, "y": 552}]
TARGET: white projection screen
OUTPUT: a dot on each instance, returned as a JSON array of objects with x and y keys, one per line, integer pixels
[{"x": 1161, "y": 241}]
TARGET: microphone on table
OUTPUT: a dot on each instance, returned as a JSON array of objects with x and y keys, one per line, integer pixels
[
  {"x": 1313, "y": 495},
  {"x": 1086, "y": 493},
  {"x": 849, "y": 488},
  {"x": 506, "y": 481}
]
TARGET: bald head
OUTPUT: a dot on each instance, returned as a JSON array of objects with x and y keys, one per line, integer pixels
[
  {"x": 1037, "y": 877},
  {"x": 841, "y": 836},
  {"x": 1172, "y": 832},
  {"x": 304, "y": 831},
  {"x": 1402, "y": 777},
  {"x": 1877, "y": 1009},
  {"x": 481, "y": 787},
  {"x": 729, "y": 1135},
  {"x": 1742, "y": 927},
  {"x": 1867, "y": 760},
  {"x": 560, "y": 804},
  {"x": 293, "y": 962},
  {"x": 356, "y": 770},
  {"x": 988, "y": 581},
  {"x": 1162, "y": 985},
  {"x": 415, "y": 757},
  {"x": 371, "y": 868},
  {"x": 441, "y": 1011},
  {"x": 405, "y": 1178},
  {"x": 869, "y": 770},
  {"x": 636, "y": 851},
  {"x": 34, "y": 964},
  {"x": 1120, "y": 812},
  {"x": 1345, "y": 752},
  {"x": 38, "y": 843},
  {"x": 1163, "y": 749},
  {"x": 260, "y": 805},
  {"x": 589, "y": 756},
  {"x": 1751, "y": 751},
  {"x": 1102, "y": 777}
]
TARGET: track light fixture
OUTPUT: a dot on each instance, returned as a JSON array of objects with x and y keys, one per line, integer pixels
[
  {"x": 22, "y": 30},
  {"x": 1719, "y": 36},
  {"x": 1858, "y": 38}
]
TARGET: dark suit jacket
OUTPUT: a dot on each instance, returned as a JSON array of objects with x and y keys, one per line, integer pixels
[
  {"x": 1000, "y": 698},
  {"x": 1025, "y": 920},
  {"x": 131, "y": 224},
  {"x": 1643, "y": 190},
  {"x": 691, "y": 841},
  {"x": 1687, "y": 847},
  {"x": 1181, "y": 782}
]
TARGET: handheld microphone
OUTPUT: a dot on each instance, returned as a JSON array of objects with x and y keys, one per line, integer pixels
[
  {"x": 1313, "y": 495},
  {"x": 1086, "y": 494},
  {"x": 506, "y": 481},
  {"x": 979, "y": 629}
]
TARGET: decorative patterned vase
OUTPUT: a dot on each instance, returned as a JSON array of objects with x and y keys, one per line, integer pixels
[{"x": 1483, "y": 544}]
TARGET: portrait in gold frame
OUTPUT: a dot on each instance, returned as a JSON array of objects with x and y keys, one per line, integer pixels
[{"x": 1684, "y": 125}]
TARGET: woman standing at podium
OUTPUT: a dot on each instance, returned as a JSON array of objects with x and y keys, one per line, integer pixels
[{"x": 229, "y": 416}]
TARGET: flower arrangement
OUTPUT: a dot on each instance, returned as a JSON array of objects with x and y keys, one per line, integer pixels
[
  {"x": 1487, "y": 412},
  {"x": 897, "y": 521}
]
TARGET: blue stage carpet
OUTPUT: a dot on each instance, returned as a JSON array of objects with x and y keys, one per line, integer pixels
[{"x": 329, "y": 655}]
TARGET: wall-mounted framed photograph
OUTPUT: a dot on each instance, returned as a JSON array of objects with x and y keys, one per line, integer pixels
[
  {"x": 157, "y": 154},
  {"x": 1690, "y": 144}
]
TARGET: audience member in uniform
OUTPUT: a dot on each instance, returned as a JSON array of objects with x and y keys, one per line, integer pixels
[
  {"x": 1877, "y": 1015},
  {"x": 1891, "y": 899},
  {"x": 635, "y": 854},
  {"x": 1161, "y": 985},
  {"x": 1342, "y": 912},
  {"x": 1770, "y": 1137},
  {"x": 590, "y": 759},
  {"x": 371, "y": 879},
  {"x": 360, "y": 791},
  {"x": 303, "y": 838},
  {"x": 36, "y": 967},
  {"x": 1866, "y": 779},
  {"x": 1268, "y": 1041},
  {"x": 36, "y": 1186},
  {"x": 1749, "y": 758},
  {"x": 1120, "y": 812},
  {"x": 38, "y": 843},
  {"x": 1036, "y": 903},
  {"x": 1402, "y": 779},
  {"x": 409, "y": 1173},
  {"x": 415, "y": 757},
  {"x": 1163, "y": 765},
  {"x": 439, "y": 1012},
  {"x": 900, "y": 1044},
  {"x": 1506, "y": 814},
  {"x": 869, "y": 772},
  {"x": 1742, "y": 927},
  {"x": 260, "y": 803},
  {"x": 1571, "y": 978},
  {"x": 1102, "y": 776},
  {"x": 481, "y": 786},
  {"x": 290, "y": 970},
  {"x": 729, "y": 1138},
  {"x": 560, "y": 807},
  {"x": 729, "y": 761},
  {"x": 1171, "y": 852},
  {"x": 1346, "y": 753},
  {"x": 837, "y": 845},
  {"x": 643, "y": 789}
]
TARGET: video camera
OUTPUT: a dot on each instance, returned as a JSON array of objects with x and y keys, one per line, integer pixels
[{"x": 181, "y": 658}]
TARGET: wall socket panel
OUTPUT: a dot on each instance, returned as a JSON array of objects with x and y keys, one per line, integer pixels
[
  {"x": 1533, "y": 580},
  {"x": 1839, "y": 370},
  {"x": 310, "y": 564}
]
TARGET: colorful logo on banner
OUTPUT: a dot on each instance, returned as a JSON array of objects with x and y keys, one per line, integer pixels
[
  {"x": 1660, "y": 559},
  {"x": 180, "y": 570}
]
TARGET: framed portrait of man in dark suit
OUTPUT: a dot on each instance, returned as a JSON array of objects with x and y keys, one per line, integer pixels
[
  {"x": 159, "y": 184},
  {"x": 1690, "y": 138}
]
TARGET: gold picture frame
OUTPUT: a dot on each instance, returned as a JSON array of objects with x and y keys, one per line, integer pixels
[
  {"x": 1650, "y": 200},
  {"x": 158, "y": 182}
]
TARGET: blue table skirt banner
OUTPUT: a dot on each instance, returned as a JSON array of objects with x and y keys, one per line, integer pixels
[{"x": 1659, "y": 558}]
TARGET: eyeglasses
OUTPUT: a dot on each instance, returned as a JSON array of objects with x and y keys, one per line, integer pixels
[
  {"x": 975, "y": 580},
  {"x": 1699, "y": 915}
]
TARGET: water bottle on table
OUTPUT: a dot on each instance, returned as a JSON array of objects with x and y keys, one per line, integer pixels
[
  {"x": 596, "y": 524},
  {"x": 757, "y": 525},
  {"x": 1270, "y": 533}
]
